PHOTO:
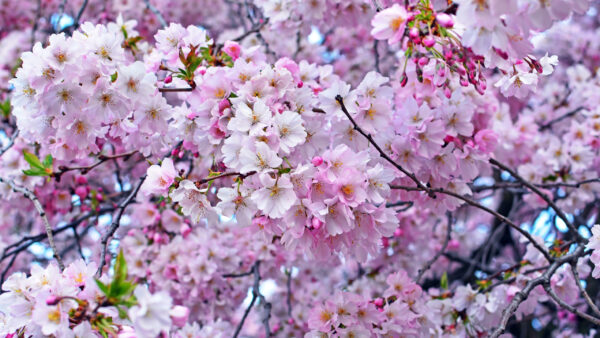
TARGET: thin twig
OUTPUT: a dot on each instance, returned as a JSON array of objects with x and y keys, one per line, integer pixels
[
  {"x": 428, "y": 265},
  {"x": 175, "y": 90},
  {"x": 567, "y": 306},
  {"x": 157, "y": 13},
  {"x": 560, "y": 118},
  {"x": 520, "y": 296},
  {"x": 255, "y": 295},
  {"x": 545, "y": 197},
  {"x": 486, "y": 209},
  {"x": 80, "y": 13},
  {"x": 40, "y": 209},
  {"x": 115, "y": 225},
  {"x": 289, "y": 292},
  {"x": 586, "y": 296},
  {"x": 10, "y": 143},
  {"x": 412, "y": 176}
]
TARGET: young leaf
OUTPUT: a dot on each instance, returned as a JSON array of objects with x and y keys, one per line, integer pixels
[
  {"x": 33, "y": 160},
  {"x": 444, "y": 281}
]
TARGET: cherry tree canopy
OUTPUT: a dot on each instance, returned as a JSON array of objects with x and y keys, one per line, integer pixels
[{"x": 291, "y": 168}]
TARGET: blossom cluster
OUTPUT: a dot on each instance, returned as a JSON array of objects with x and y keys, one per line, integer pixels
[{"x": 299, "y": 168}]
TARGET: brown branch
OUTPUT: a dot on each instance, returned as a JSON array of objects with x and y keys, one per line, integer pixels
[
  {"x": 40, "y": 209},
  {"x": 115, "y": 224},
  {"x": 11, "y": 142},
  {"x": 157, "y": 13},
  {"x": 240, "y": 175},
  {"x": 520, "y": 296},
  {"x": 567, "y": 306},
  {"x": 356, "y": 127},
  {"x": 174, "y": 90},
  {"x": 486, "y": 209},
  {"x": 586, "y": 296},
  {"x": 86, "y": 169},
  {"x": 428, "y": 265},
  {"x": 560, "y": 118},
  {"x": 256, "y": 295},
  {"x": 538, "y": 192}
]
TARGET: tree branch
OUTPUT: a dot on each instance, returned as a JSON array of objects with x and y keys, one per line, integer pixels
[
  {"x": 40, "y": 209},
  {"x": 115, "y": 224},
  {"x": 157, "y": 13},
  {"x": 428, "y": 265}
]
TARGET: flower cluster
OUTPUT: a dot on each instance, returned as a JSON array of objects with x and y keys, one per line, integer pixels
[{"x": 72, "y": 110}]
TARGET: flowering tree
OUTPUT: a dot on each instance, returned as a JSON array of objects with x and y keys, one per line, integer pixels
[{"x": 295, "y": 168}]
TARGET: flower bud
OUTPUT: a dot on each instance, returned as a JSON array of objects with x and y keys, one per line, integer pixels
[
  {"x": 52, "y": 300},
  {"x": 169, "y": 79},
  {"x": 81, "y": 180},
  {"x": 413, "y": 33},
  {"x": 403, "y": 80},
  {"x": 81, "y": 191},
  {"x": 185, "y": 230},
  {"x": 317, "y": 161},
  {"x": 399, "y": 232},
  {"x": 378, "y": 302},
  {"x": 444, "y": 20},
  {"x": 316, "y": 223},
  {"x": 179, "y": 315},
  {"x": 428, "y": 41}
]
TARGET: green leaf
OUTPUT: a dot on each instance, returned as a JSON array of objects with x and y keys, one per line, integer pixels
[
  {"x": 114, "y": 77},
  {"x": 33, "y": 160},
  {"x": 5, "y": 108},
  {"x": 444, "y": 281},
  {"x": 103, "y": 287},
  {"x": 37, "y": 168},
  {"x": 47, "y": 161},
  {"x": 120, "y": 268},
  {"x": 35, "y": 172}
]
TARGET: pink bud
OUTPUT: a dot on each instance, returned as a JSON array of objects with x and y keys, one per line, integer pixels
[
  {"x": 156, "y": 237},
  {"x": 81, "y": 180},
  {"x": 99, "y": 197},
  {"x": 453, "y": 244},
  {"x": 316, "y": 223},
  {"x": 185, "y": 230},
  {"x": 385, "y": 242},
  {"x": 81, "y": 191},
  {"x": 423, "y": 61},
  {"x": 290, "y": 321},
  {"x": 300, "y": 84},
  {"x": 448, "y": 54},
  {"x": 428, "y": 41},
  {"x": 378, "y": 302},
  {"x": 447, "y": 92},
  {"x": 403, "y": 80},
  {"x": 399, "y": 232},
  {"x": 413, "y": 33},
  {"x": 169, "y": 79},
  {"x": 444, "y": 20},
  {"x": 179, "y": 314},
  {"x": 52, "y": 300},
  {"x": 317, "y": 161}
]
